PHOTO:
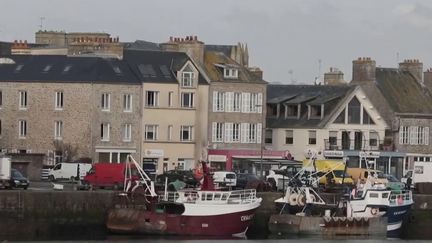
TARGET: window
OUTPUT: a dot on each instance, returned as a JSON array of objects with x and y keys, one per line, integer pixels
[
  {"x": 217, "y": 132},
  {"x": 414, "y": 135},
  {"x": 245, "y": 102},
  {"x": 292, "y": 111},
  {"x": 58, "y": 130},
  {"x": 127, "y": 132},
  {"x": 236, "y": 102},
  {"x": 403, "y": 135},
  {"x": 187, "y": 100},
  {"x": 170, "y": 128},
  {"x": 151, "y": 132},
  {"x": 251, "y": 133},
  {"x": 315, "y": 111},
  {"x": 187, "y": 79},
  {"x": 253, "y": 102},
  {"x": 367, "y": 119},
  {"x": 354, "y": 111},
  {"x": 230, "y": 73},
  {"x": 333, "y": 140},
  {"x": 1, "y": 98},
  {"x": 67, "y": 68},
  {"x": 218, "y": 101},
  {"x": 105, "y": 102},
  {"x": 170, "y": 98},
  {"x": 269, "y": 136},
  {"x": 236, "y": 132},
  {"x": 373, "y": 139},
  {"x": 186, "y": 133},
  {"x": 22, "y": 125},
  {"x": 152, "y": 98},
  {"x": 312, "y": 137},
  {"x": 23, "y": 100},
  {"x": 127, "y": 102},
  {"x": 341, "y": 118},
  {"x": 58, "y": 100},
  {"x": 289, "y": 137},
  {"x": 105, "y": 131},
  {"x": 47, "y": 68}
]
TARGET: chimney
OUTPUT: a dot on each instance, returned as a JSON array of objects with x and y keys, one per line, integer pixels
[
  {"x": 190, "y": 45},
  {"x": 257, "y": 72},
  {"x": 414, "y": 66},
  {"x": 427, "y": 78},
  {"x": 334, "y": 77},
  {"x": 363, "y": 70}
]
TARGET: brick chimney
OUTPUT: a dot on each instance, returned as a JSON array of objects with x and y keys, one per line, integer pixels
[
  {"x": 190, "y": 45},
  {"x": 363, "y": 70},
  {"x": 427, "y": 78},
  {"x": 256, "y": 71},
  {"x": 414, "y": 66},
  {"x": 334, "y": 77}
]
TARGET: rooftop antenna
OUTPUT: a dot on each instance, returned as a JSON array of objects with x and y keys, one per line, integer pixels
[
  {"x": 291, "y": 75},
  {"x": 319, "y": 70},
  {"x": 41, "y": 22},
  {"x": 397, "y": 57}
]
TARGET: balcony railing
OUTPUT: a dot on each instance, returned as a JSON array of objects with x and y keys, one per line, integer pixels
[{"x": 357, "y": 144}]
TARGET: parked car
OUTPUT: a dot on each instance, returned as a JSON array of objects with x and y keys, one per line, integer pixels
[
  {"x": 252, "y": 181},
  {"x": 225, "y": 178},
  {"x": 394, "y": 183},
  {"x": 18, "y": 180},
  {"x": 102, "y": 175},
  {"x": 68, "y": 171}
]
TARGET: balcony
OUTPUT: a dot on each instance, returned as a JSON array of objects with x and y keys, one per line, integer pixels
[{"x": 357, "y": 144}]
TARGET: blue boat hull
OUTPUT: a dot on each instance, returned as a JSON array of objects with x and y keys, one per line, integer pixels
[{"x": 395, "y": 218}]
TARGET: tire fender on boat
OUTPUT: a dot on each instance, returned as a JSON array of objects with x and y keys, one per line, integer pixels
[
  {"x": 301, "y": 200},
  {"x": 293, "y": 199},
  {"x": 374, "y": 211}
]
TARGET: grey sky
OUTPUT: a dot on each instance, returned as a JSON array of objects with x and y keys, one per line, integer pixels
[{"x": 286, "y": 38}]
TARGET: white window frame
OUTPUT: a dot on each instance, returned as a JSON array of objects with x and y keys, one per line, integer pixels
[
  {"x": 187, "y": 79},
  {"x": 253, "y": 103},
  {"x": 191, "y": 99},
  {"x": 236, "y": 131},
  {"x": 127, "y": 102},
  {"x": 23, "y": 100},
  {"x": 22, "y": 129},
  {"x": 58, "y": 130},
  {"x": 230, "y": 73},
  {"x": 105, "y": 132},
  {"x": 155, "y": 100},
  {"x": 105, "y": 102},
  {"x": 188, "y": 129},
  {"x": 237, "y": 102},
  {"x": 127, "y": 132},
  {"x": 59, "y": 99},
  {"x": 218, "y": 101},
  {"x": 151, "y": 129},
  {"x": 245, "y": 103},
  {"x": 404, "y": 135},
  {"x": 217, "y": 132}
]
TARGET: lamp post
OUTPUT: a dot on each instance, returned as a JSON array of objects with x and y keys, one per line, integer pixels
[{"x": 262, "y": 139}]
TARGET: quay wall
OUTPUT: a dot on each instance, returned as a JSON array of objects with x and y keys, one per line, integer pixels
[{"x": 75, "y": 215}]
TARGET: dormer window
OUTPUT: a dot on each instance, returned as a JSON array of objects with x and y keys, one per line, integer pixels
[
  {"x": 47, "y": 68},
  {"x": 18, "y": 68},
  {"x": 292, "y": 111},
  {"x": 187, "y": 79},
  {"x": 230, "y": 73},
  {"x": 315, "y": 111}
]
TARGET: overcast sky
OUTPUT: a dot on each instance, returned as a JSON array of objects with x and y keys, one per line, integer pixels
[{"x": 286, "y": 38}]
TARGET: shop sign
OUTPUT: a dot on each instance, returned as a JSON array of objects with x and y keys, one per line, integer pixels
[
  {"x": 154, "y": 153},
  {"x": 333, "y": 153}
]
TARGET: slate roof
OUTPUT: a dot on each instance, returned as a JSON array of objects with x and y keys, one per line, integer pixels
[
  {"x": 213, "y": 63},
  {"x": 331, "y": 96},
  {"x": 58, "y": 68},
  {"x": 225, "y": 49},
  {"x": 402, "y": 91},
  {"x": 157, "y": 66},
  {"x": 142, "y": 45}
]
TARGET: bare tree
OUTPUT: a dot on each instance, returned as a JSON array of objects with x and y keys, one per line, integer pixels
[{"x": 69, "y": 151}]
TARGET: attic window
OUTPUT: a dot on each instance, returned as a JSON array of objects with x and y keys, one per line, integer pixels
[
  {"x": 117, "y": 70},
  {"x": 187, "y": 79},
  {"x": 292, "y": 111},
  {"x": 230, "y": 73},
  {"x": 315, "y": 111},
  {"x": 18, "y": 68},
  {"x": 67, "y": 68},
  {"x": 147, "y": 70},
  {"x": 47, "y": 68}
]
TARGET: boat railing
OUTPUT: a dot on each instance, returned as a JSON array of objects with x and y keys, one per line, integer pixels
[
  {"x": 400, "y": 198},
  {"x": 211, "y": 197}
]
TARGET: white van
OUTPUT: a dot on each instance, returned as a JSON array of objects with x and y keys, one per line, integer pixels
[
  {"x": 225, "y": 178},
  {"x": 68, "y": 171}
]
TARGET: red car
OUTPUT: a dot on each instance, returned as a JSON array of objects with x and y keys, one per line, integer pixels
[{"x": 112, "y": 175}]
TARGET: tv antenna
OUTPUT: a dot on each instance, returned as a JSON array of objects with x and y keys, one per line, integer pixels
[{"x": 41, "y": 22}]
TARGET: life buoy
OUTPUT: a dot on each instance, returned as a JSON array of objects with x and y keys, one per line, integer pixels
[
  {"x": 312, "y": 198},
  {"x": 293, "y": 199},
  {"x": 374, "y": 211}
]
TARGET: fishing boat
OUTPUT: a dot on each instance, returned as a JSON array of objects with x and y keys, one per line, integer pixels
[
  {"x": 370, "y": 209},
  {"x": 200, "y": 212}
]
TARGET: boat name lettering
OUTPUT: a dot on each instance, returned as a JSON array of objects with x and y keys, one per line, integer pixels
[
  {"x": 399, "y": 212},
  {"x": 246, "y": 217}
]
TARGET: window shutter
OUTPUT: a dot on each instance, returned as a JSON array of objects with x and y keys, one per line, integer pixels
[
  {"x": 260, "y": 103},
  {"x": 243, "y": 102},
  {"x": 228, "y": 132},
  {"x": 401, "y": 134},
  {"x": 214, "y": 124},
  {"x": 243, "y": 133},
  {"x": 411, "y": 135},
  {"x": 247, "y": 103},
  {"x": 222, "y": 101},
  {"x": 259, "y": 132},
  {"x": 426, "y": 135},
  {"x": 215, "y": 96}
]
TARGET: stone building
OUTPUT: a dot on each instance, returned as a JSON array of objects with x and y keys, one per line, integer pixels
[{"x": 402, "y": 98}]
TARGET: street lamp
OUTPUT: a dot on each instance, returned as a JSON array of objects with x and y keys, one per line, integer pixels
[{"x": 262, "y": 139}]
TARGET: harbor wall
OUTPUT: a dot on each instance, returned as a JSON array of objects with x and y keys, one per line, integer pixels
[{"x": 74, "y": 215}]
